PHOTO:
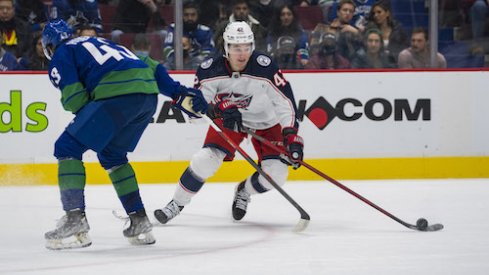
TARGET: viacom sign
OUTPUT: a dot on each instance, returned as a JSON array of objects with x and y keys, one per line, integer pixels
[{"x": 321, "y": 112}]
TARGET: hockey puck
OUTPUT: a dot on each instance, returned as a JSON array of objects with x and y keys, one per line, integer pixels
[{"x": 422, "y": 223}]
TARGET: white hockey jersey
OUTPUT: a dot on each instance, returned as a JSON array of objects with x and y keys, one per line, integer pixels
[{"x": 261, "y": 92}]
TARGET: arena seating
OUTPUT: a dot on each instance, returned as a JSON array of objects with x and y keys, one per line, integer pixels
[{"x": 309, "y": 16}]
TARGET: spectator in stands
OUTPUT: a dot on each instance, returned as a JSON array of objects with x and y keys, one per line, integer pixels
[
  {"x": 241, "y": 12},
  {"x": 191, "y": 60},
  {"x": 86, "y": 30},
  {"x": 34, "y": 12},
  {"x": 141, "y": 45},
  {"x": 373, "y": 56},
  {"x": 393, "y": 34},
  {"x": 287, "y": 42},
  {"x": 478, "y": 14},
  {"x": 359, "y": 18},
  {"x": 349, "y": 37},
  {"x": 326, "y": 55},
  {"x": 77, "y": 13},
  {"x": 8, "y": 62},
  {"x": 17, "y": 34},
  {"x": 199, "y": 35},
  {"x": 209, "y": 12},
  {"x": 134, "y": 16},
  {"x": 418, "y": 55},
  {"x": 34, "y": 59},
  {"x": 345, "y": 12},
  {"x": 262, "y": 9}
]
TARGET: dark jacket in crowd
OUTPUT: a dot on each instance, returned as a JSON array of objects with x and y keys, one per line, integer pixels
[
  {"x": 22, "y": 32},
  {"x": 362, "y": 61},
  {"x": 133, "y": 17},
  {"x": 34, "y": 12}
]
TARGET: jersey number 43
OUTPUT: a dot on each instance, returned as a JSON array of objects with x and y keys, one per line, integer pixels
[{"x": 104, "y": 52}]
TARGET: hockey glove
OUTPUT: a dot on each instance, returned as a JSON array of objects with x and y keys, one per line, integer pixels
[
  {"x": 231, "y": 116},
  {"x": 191, "y": 101},
  {"x": 294, "y": 144}
]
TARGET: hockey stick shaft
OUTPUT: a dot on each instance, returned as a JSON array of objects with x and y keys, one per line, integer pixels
[
  {"x": 303, "y": 213},
  {"x": 333, "y": 181}
]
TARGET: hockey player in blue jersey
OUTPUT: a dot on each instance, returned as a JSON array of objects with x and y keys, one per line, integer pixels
[
  {"x": 247, "y": 89},
  {"x": 113, "y": 95}
]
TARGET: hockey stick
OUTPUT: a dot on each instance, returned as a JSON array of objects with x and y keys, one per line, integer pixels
[
  {"x": 421, "y": 224},
  {"x": 304, "y": 221}
]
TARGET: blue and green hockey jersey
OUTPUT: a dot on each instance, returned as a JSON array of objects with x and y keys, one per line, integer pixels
[{"x": 92, "y": 68}]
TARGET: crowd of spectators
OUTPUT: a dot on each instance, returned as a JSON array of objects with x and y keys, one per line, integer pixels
[{"x": 359, "y": 34}]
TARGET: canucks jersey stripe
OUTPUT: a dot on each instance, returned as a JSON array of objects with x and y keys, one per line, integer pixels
[
  {"x": 127, "y": 75},
  {"x": 137, "y": 80},
  {"x": 74, "y": 97}
]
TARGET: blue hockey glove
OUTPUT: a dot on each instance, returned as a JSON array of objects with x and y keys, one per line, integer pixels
[
  {"x": 191, "y": 101},
  {"x": 294, "y": 144},
  {"x": 231, "y": 116}
]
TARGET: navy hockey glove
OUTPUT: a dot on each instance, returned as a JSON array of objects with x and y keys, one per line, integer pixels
[
  {"x": 231, "y": 116},
  {"x": 294, "y": 144},
  {"x": 191, "y": 101}
]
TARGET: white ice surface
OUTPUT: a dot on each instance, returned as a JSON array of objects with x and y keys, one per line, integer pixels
[{"x": 345, "y": 235}]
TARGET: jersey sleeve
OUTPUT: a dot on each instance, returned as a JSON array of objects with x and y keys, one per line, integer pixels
[
  {"x": 166, "y": 85},
  {"x": 64, "y": 76},
  {"x": 282, "y": 97},
  {"x": 205, "y": 73}
]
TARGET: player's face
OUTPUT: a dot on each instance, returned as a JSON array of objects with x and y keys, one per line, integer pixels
[{"x": 239, "y": 54}]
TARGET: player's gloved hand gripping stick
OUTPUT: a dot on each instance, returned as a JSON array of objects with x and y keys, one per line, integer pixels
[
  {"x": 191, "y": 102},
  {"x": 294, "y": 144}
]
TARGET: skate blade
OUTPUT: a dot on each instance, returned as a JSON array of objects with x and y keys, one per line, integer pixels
[
  {"x": 142, "y": 239},
  {"x": 76, "y": 241}
]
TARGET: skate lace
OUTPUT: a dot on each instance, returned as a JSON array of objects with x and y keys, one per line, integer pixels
[
  {"x": 242, "y": 199},
  {"x": 171, "y": 210}
]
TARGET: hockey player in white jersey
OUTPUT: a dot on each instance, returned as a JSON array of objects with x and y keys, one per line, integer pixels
[{"x": 246, "y": 89}]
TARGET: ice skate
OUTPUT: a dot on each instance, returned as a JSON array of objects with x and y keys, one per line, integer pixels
[
  {"x": 170, "y": 211},
  {"x": 139, "y": 231},
  {"x": 71, "y": 232},
  {"x": 240, "y": 202}
]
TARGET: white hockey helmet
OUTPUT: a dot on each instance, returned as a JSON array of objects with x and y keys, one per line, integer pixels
[{"x": 238, "y": 32}]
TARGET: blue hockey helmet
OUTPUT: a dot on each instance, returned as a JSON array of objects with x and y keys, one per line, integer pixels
[{"x": 54, "y": 33}]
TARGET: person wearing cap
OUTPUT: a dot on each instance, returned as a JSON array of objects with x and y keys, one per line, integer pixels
[
  {"x": 325, "y": 55},
  {"x": 287, "y": 42}
]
